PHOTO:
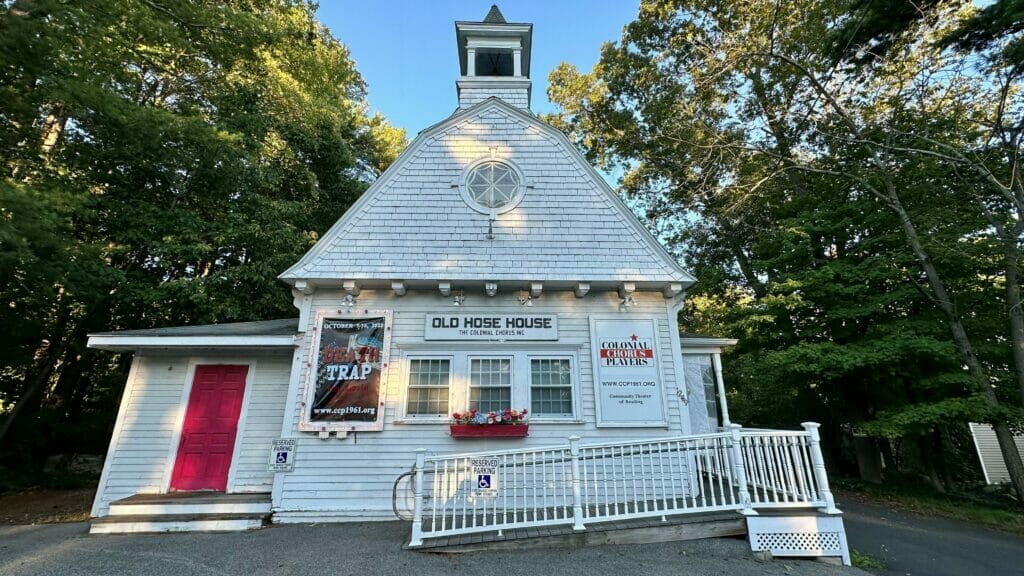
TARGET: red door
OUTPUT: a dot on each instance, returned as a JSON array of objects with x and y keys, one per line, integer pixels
[{"x": 208, "y": 433}]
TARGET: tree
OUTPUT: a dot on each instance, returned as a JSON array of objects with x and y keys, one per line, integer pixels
[
  {"x": 163, "y": 161},
  {"x": 789, "y": 171}
]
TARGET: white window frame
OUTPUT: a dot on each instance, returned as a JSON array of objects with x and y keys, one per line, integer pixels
[
  {"x": 459, "y": 387},
  {"x": 573, "y": 384},
  {"x": 484, "y": 356},
  {"x": 406, "y": 378}
]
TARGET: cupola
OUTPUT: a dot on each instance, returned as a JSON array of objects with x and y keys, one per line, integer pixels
[{"x": 494, "y": 60}]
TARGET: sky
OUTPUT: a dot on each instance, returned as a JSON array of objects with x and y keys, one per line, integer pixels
[{"x": 405, "y": 49}]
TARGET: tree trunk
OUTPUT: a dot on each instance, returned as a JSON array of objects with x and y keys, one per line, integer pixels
[
  {"x": 1014, "y": 465},
  {"x": 1013, "y": 303}
]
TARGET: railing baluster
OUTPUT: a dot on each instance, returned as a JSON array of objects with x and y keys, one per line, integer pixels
[{"x": 739, "y": 469}]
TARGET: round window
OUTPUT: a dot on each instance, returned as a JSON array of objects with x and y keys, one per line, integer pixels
[{"x": 492, "y": 186}]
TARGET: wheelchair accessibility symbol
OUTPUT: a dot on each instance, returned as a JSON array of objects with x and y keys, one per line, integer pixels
[
  {"x": 483, "y": 481},
  {"x": 282, "y": 457}
]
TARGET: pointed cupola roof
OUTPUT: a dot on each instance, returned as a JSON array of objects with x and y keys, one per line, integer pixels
[{"x": 494, "y": 16}]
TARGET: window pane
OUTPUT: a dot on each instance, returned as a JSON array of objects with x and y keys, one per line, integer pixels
[
  {"x": 490, "y": 384},
  {"x": 551, "y": 387},
  {"x": 428, "y": 386}
]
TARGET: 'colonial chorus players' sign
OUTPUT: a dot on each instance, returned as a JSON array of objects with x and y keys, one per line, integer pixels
[
  {"x": 628, "y": 382},
  {"x": 348, "y": 358}
]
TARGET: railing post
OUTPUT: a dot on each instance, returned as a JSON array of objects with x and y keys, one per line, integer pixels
[
  {"x": 818, "y": 462},
  {"x": 577, "y": 497},
  {"x": 417, "y": 508},
  {"x": 739, "y": 470}
]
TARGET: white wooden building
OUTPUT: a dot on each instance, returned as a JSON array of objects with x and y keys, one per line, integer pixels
[{"x": 489, "y": 267}]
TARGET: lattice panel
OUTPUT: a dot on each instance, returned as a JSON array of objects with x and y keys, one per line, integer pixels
[{"x": 799, "y": 543}]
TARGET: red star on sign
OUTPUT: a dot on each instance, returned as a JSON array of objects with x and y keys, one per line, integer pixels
[{"x": 634, "y": 338}]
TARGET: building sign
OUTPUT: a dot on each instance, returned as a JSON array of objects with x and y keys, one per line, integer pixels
[
  {"x": 344, "y": 382},
  {"x": 282, "y": 455},
  {"x": 628, "y": 373},
  {"x": 491, "y": 327},
  {"x": 485, "y": 476}
]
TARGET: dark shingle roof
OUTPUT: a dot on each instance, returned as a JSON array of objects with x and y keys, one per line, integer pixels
[
  {"x": 494, "y": 16},
  {"x": 286, "y": 327}
]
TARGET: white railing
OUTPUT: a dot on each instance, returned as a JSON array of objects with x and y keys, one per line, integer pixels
[{"x": 576, "y": 484}]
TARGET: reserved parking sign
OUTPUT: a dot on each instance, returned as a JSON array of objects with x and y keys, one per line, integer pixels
[
  {"x": 282, "y": 455},
  {"x": 485, "y": 476}
]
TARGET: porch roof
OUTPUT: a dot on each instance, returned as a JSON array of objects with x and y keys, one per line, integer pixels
[{"x": 261, "y": 334}]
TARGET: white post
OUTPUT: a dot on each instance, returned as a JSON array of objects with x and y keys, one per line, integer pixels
[
  {"x": 417, "y": 507},
  {"x": 517, "y": 62},
  {"x": 577, "y": 497},
  {"x": 470, "y": 61},
  {"x": 818, "y": 462},
  {"x": 716, "y": 362},
  {"x": 739, "y": 470}
]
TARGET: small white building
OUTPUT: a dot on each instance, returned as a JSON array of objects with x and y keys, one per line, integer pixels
[{"x": 490, "y": 268}]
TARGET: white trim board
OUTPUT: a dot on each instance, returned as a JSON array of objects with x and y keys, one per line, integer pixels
[{"x": 124, "y": 343}]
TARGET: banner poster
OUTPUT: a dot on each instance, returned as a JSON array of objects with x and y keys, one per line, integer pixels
[
  {"x": 347, "y": 385},
  {"x": 628, "y": 383}
]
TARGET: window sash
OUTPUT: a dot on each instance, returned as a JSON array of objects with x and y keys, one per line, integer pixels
[
  {"x": 490, "y": 383},
  {"x": 427, "y": 392},
  {"x": 551, "y": 387}
]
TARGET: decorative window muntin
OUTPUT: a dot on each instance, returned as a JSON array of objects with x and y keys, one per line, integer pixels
[
  {"x": 429, "y": 380},
  {"x": 551, "y": 387},
  {"x": 490, "y": 384},
  {"x": 492, "y": 186}
]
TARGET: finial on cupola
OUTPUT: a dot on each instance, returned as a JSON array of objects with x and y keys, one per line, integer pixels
[{"x": 494, "y": 16}]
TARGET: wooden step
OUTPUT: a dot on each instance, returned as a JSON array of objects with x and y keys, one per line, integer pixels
[
  {"x": 642, "y": 531},
  {"x": 191, "y": 503},
  {"x": 130, "y": 524}
]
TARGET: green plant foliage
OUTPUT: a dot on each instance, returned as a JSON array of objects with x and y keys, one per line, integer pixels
[
  {"x": 163, "y": 161},
  {"x": 824, "y": 207}
]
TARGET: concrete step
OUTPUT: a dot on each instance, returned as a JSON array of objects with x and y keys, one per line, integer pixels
[
  {"x": 133, "y": 524},
  {"x": 191, "y": 503}
]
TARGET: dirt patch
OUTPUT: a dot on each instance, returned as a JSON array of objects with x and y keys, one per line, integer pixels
[{"x": 43, "y": 506}]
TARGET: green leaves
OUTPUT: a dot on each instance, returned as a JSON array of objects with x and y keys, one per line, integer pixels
[{"x": 163, "y": 161}]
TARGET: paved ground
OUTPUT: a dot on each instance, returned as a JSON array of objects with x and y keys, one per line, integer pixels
[
  {"x": 359, "y": 549},
  {"x": 922, "y": 546}
]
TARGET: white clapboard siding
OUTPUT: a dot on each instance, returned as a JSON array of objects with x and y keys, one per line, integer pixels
[
  {"x": 142, "y": 447},
  {"x": 991, "y": 457},
  {"x": 340, "y": 479}
]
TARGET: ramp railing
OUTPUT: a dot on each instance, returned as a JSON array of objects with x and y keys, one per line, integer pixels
[{"x": 576, "y": 484}]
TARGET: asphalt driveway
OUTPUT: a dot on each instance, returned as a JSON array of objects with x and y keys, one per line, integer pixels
[
  {"x": 916, "y": 545},
  {"x": 359, "y": 549}
]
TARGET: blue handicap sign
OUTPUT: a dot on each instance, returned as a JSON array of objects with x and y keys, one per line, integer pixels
[
  {"x": 282, "y": 457},
  {"x": 483, "y": 480}
]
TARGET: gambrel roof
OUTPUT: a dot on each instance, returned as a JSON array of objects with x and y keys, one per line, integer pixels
[{"x": 412, "y": 223}]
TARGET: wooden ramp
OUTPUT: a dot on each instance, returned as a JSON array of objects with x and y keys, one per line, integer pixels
[{"x": 635, "y": 531}]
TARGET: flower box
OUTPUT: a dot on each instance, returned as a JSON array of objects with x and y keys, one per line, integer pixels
[{"x": 489, "y": 431}]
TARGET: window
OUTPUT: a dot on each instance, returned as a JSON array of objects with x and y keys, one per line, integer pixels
[
  {"x": 492, "y": 186},
  {"x": 551, "y": 387},
  {"x": 428, "y": 386},
  {"x": 701, "y": 372},
  {"x": 490, "y": 384}
]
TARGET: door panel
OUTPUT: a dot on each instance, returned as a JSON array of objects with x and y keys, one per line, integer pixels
[{"x": 209, "y": 431}]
